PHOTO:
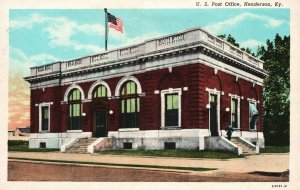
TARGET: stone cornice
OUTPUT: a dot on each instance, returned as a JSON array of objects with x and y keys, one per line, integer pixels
[{"x": 187, "y": 42}]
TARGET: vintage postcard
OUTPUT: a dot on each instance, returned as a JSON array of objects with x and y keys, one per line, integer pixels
[{"x": 146, "y": 92}]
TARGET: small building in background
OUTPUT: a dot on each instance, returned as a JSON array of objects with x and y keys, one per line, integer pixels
[
  {"x": 11, "y": 132},
  {"x": 22, "y": 131},
  {"x": 19, "y": 134}
]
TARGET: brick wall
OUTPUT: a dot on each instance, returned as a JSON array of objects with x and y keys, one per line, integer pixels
[{"x": 194, "y": 113}]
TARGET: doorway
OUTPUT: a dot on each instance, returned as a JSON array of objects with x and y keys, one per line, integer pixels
[
  {"x": 213, "y": 115},
  {"x": 100, "y": 123}
]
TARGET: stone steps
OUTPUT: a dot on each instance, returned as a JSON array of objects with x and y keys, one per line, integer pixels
[
  {"x": 247, "y": 150},
  {"x": 80, "y": 147}
]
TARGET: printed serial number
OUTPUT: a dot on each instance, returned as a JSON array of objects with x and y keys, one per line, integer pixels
[{"x": 278, "y": 186}]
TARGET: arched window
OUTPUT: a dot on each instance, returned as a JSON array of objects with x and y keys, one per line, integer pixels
[
  {"x": 75, "y": 109},
  {"x": 130, "y": 105},
  {"x": 100, "y": 92}
]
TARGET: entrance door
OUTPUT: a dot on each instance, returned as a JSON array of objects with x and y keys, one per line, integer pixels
[
  {"x": 100, "y": 123},
  {"x": 213, "y": 115}
]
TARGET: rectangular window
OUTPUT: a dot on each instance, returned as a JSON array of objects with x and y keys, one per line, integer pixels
[
  {"x": 253, "y": 115},
  {"x": 172, "y": 110},
  {"x": 75, "y": 116},
  {"x": 213, "y": 98},
  {"x": 45, "y": 118},
  {"x": 42, "y": 145},
  {"x": 234, "y": 113},
  {"x": 130, "y": 108},
  {"x": 132, "y": 87},
  {"x": 127, "y": 145},
  {"x": 170, "y": 146},
  {"x": 103, "y": 90}
]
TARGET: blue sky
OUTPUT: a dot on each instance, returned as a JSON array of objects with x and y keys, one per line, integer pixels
[
  {"x": 42, "y": 36},
  {"x": 37, "y": 37}
]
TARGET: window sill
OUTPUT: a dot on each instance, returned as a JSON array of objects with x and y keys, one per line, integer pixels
[
  {"x": 74, "y": 131},
  {"x": 252, "y": 130},
  {"x": 44, "y": 131},
  {"x": 236, "y": 129},
  {"x": 171, "y": 128},
  {"x": 129, "y": 129}
]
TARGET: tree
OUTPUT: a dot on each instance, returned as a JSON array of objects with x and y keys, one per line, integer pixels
[
  {"x": 233, "y": 41},
  {"x": 276, "y": 96},
  {"x": 276, "y": 56},
  {"x": 229, "y": 39}
]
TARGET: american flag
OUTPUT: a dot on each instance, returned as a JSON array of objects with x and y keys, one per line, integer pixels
[{"x": 115, "y": 23}]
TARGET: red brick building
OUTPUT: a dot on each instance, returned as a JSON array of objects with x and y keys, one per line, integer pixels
[{"x": 180, "y": 91}]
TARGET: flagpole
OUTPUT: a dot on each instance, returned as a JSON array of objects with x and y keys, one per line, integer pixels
[{"x": 106, "y": 29}]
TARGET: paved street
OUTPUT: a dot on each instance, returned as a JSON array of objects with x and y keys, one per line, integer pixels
[
  {"x": 32, "y": 171},
  {"x": 261, "y": 162}
]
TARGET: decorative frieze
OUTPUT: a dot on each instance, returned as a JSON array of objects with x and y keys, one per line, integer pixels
[
  {"x": 171, "y": 40},
  {"x": 74, "y": 62},
  {"x": 99, "y": 57}
]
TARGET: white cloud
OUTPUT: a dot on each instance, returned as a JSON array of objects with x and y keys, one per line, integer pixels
[
  {"x": 251, "y": 43},
  {"x": 61, "y": 30},
  {"x": 60, "y": 36},
  {"x": 217, "y": 27},
  {"x": 20, "y": 63}
]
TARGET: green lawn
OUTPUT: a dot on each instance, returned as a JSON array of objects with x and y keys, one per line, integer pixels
[
  {"x": 275, "y": 149},
  {"x": 173, "y": 153},
  {"x": 23, "y": 146}
]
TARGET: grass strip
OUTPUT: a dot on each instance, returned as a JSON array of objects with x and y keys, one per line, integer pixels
[
  {"x": 23, "y": 146},
  {"x": 21, "y": 149},
  {"x": 173, "y": 153},
  {"x": 113, "y": 164},
  {"x": 275, "y": 149}
]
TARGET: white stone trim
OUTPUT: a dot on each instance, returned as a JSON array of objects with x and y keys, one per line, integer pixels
[
  {"x": 213, "y": 63},
  {"x": 159, "y": 133},
  {"x": 55, "y": 140},
  {"x": 235, "y": 96},
  {"x": 44, "y": 104},
  {"x": 125, "y": 79},
  {"x": 90, "y": 147},
  {"x": 156, "y": 91},
  {"x": 95, "y": 84},
  {"x": 128, "y": 129},
  {"x": 216, "y": 71},
  {"x": 218, "y": 93},
  {"x": 86, "y": 100},
  {"x": 256, "y": 148},
  {"x": 71, "y": 88},
  {"x": 245, "y": 134},
  {"x": 74, "y": 131},
  {"x": 185, "y": 88},
  {"x": 64, "y": 147},
  {"x": 162, "y": 95},
  {"x": 252, "y": 100},
  {"x": 202, "y": 60},
  {"x": 236, "y": 78}
]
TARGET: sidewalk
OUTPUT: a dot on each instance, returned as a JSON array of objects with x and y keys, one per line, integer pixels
[{"x": 262, "y": 162}]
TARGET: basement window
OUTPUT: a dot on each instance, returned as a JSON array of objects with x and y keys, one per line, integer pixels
[
  {"x": 42, "y": 145},
  {"x": 127, "y": 146},
  {"x": 170, "y": 146}
]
